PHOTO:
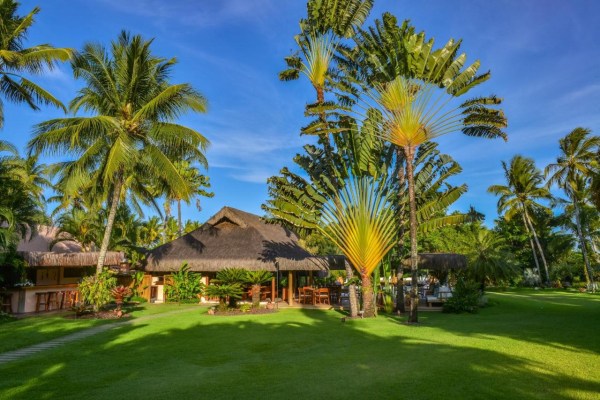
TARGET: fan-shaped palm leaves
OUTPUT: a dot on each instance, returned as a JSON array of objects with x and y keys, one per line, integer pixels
[
  {"x": 15, "y": 58},
  {"x": 132, "y": 130},
  {"x": 361, "y": 222}
]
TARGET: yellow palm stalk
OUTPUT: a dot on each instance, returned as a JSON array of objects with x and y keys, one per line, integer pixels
[
  {"x": 414, "y": 112},
  {"x": 361, "y": 222}
]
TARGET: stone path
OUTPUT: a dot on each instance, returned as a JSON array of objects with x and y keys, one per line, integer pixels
[{"x": 30, "y": 350}]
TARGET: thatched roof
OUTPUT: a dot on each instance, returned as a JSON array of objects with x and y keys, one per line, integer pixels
[
  {"x": 236, "y": 239},
  {"x": 44, "y": 239},
  {"x": 439, "y": 261},
  {"x": 52, "y": 259}
]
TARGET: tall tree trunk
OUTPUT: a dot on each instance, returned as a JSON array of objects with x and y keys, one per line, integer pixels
[
  {"x": 351, "y": 292},
  {"x": 400, "y": 306},
  {"x": 256, "y": 295},
  {"x": 539, "y": 246},
  {"x": 368, "y": 296},
  {"x": 114, "y": 203},
  {"x": 589, "y": 276},
  {"x": 535, "y": 258},
  {"x": 413, "y": 317},
  {"x": 179, "y": 217}
]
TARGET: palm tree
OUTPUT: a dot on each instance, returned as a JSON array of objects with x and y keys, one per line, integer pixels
[
  {"x": 520, "y": 197},
  {"x": 131, "y": 130},
  {"x": 413, "y": 115},
  {"x": 361, "y": 222},
  {"x": 15, "y": 59},
  {"x": 489, "y": 260},
  {"x": 196, "y": 183},
  {"x": 577, "y": 162}
]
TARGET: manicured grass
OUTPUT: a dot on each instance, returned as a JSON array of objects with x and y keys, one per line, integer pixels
[
  {"x": 527, "y": 345},
  {"x": 40, "y": 328}
]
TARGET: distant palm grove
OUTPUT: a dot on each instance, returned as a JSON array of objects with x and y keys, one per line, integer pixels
[{"x": 370, "y": 183}]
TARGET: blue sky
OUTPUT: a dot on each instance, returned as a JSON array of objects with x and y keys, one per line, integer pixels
[{"x": 544, "y": 57}]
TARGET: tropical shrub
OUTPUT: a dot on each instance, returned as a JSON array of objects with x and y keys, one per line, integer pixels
[
  {"x": 185, "y": 286},
  {"x": 224, "y": 291},
  {"x": 230, "y": 276},
  {"x": 466, "y": 297},
  {"x": 256, "y": 278},
  {"x": 96, "y": 290}
]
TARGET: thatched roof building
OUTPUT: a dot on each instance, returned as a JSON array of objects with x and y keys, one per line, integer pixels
[
  {"x": 41, "y": 249},
  {"x": 439, "y": 261},
  {"x": 79, "y": 259},
  {"x": 235, "y": 239}
]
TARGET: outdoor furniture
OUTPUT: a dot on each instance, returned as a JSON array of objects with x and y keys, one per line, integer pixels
[
  {"x": 335, "y": 293},
  {"x": 54, "y": 301},
  {"x": 69, "y": 299},
  {"x": 321, "y": 296},
  {"x": 440, "y": 295},
  {"x": 41, "y": 300},
  {"x": 304, "y": 295},
  {"x": 6, "y": 302}
]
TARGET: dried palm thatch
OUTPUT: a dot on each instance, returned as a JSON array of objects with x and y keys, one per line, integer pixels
[
  {"x": 439, "y": 261},
  {"x": 235, "y": 239},
  {"x": 52, "y": 259}
]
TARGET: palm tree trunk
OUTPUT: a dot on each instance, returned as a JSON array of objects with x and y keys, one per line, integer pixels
[
  {"x": 116, "y": 195},
  {"x": 256, "y": 295},
  {"x": 413, "y": 317},
  {"x": 400, "y": 306},
  {"x": 368, "y": 296},
  {"x": 539, "y": 246},
  {"x": 535, "y": 258},
  {"x": 589, "y": 277},
  {"x": 351, "y": 292},
  {"x": 179, "y": 216}
]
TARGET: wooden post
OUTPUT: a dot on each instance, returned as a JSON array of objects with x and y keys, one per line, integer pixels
[
  {"x": 310, "y": 278},
  {"x": 290, "y": 288},
  {"x": 273, "y": 289}
]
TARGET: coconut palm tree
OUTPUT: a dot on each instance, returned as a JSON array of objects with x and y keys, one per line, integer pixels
[
  {"x": 361, "y": 222},
  {"x": 520, "y": 197},
  {"x": 574, "y": 167},
  {"x": 196, "y": 183},
  {"x": 131, "y": 130},
  {"x": 15, "y": 59}
]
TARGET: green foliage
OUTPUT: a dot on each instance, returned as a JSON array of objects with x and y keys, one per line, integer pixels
[
  {"x": 466, "y": 297},
  {"x": 185, "y": 286},
  {"x": 224, "y": 291},
  {"x": 15, "y": 59},
  {"x": 96, "y": 290}
]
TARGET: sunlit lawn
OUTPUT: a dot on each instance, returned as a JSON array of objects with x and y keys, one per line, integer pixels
[
  {"x": 533, "y": 345},
  {"x": 37, "y": 329}
]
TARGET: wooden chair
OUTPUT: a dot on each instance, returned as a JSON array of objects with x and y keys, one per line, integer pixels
[
  {"x": 322, "y": 296},
  {"x": 301, "y": 296},
  {"x": 54, "y": 301},
  {"x": 41, "y": 299},
  {"x": 6, "y": 302},
  {"x": 69, "y": 299}
]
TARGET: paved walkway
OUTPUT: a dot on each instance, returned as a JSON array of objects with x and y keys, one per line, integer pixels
[{"x": 30, "y": 350}]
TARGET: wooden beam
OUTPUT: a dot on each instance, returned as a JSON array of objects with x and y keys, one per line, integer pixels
[
  {"x": 273, "y": 289},
  {"x": 290, "y": 288}
]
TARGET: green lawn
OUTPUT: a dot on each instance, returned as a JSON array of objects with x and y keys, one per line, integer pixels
[
  {"x": 36, "y": 329},
  {"x": 530, "y": 345}
]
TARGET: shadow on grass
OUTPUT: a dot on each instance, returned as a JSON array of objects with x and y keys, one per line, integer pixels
[
  {"x": 308, "y": 354},
  {"x": 560, "y": 320}
]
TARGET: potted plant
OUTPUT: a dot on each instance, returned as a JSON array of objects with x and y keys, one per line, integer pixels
[{"x": 119, "y": 293}]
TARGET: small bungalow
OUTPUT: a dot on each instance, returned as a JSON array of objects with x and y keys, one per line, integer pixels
[
  {"x": 236, "y": 239},
  {"x": 53, "y": 271}
]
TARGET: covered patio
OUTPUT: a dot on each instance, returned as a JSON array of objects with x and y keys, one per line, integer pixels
[{"x": 236, "y": 239}]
